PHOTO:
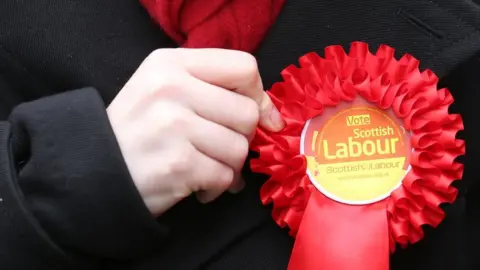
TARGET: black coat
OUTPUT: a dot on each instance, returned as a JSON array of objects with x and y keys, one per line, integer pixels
[{"x": 66, "y": 199}]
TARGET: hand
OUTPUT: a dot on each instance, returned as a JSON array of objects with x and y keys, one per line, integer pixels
[{"x": 181, "y": 131}]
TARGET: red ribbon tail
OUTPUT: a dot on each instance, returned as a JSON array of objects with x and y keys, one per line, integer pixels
[{"x": 335, "y": 236}]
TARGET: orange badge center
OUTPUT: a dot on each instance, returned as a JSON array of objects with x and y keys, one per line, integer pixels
[{"x": 356, "y": 153}]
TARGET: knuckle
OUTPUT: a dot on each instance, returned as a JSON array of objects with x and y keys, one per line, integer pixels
[
  {"x": 241, "y": 147},
  {"x": 178, "y": 166},
  {"x": 182, "y": 162},
  {"x": 167, "y": 86},
  {"x": 251, "y": 114},
  {"x": 158, "y": 82},
  {"x": 170, "y": 118},
  {"x": 249, "y": 64},
  {"x": 154, "y": 59},
  {"x": 159, "y": 55},
  {"x": 225, "y": 176}
]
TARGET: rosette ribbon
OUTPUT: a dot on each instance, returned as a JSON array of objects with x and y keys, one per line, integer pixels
[{"x": 332, "y": 235}]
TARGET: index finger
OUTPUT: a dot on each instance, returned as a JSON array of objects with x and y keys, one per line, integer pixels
[{"x": 236, "y": 71}]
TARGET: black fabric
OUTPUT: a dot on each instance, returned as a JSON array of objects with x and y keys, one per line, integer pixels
[
  {"x": 64, "y": 179},
  {"x": 50, "y": 46},
  {"x": 467, "y": 103},
  {"x": 16, "y": 83},
  {"x": 74, "y": 187},
  {"x": 70, "y": 44},
  {"x": 23, "y": 245}
]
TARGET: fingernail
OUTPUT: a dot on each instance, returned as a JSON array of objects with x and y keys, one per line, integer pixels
[
  {"x": 238, "y": 186},
  {"x": 276, "y": 119},
  {"x": 203, "y": 197}
]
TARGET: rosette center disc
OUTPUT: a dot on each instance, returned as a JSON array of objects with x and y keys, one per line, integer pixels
[{"x": 356, "y": 153}]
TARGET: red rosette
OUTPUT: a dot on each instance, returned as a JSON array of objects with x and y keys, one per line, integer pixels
[{"x": 335, "y": 228}]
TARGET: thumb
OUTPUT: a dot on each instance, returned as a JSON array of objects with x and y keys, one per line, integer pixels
[{"x": 270, "y": 117}]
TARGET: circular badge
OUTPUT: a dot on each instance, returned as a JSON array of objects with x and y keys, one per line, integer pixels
[{"x": 356, "y": 153}]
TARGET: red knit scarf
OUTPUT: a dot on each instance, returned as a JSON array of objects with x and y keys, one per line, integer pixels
[{"x": 229, "y": 24}]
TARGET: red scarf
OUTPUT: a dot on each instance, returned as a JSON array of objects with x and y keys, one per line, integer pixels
[{"x": 229, "y": 24}]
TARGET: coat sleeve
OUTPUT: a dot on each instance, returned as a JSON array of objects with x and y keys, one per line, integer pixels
[{"x": 67, "y": 200}]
